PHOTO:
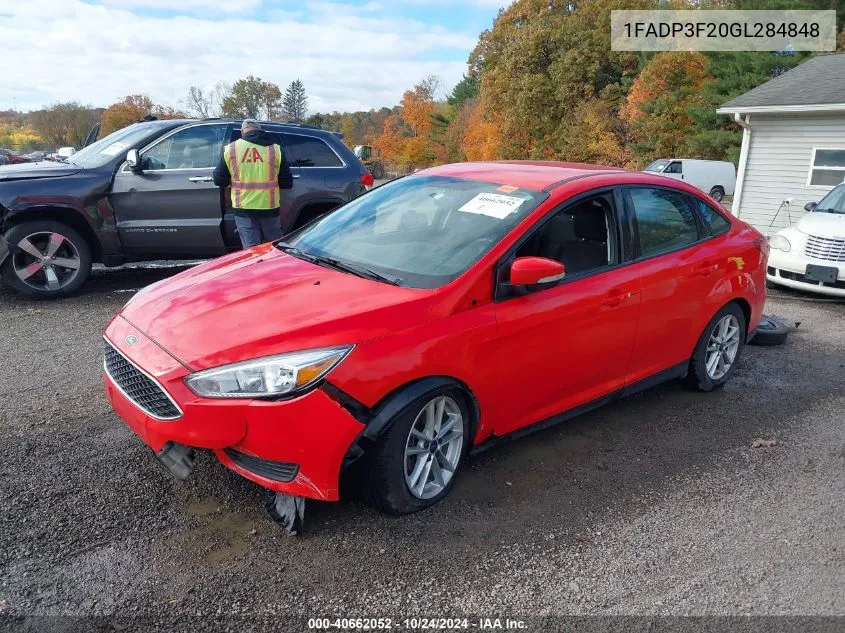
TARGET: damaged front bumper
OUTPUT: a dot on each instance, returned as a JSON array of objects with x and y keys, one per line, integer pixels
[{"x": 294, "y": 446}]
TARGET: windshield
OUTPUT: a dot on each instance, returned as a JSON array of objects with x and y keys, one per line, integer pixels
[
  {"x": 658, "y": 166},
  {"x": 834, "y": 202},
  {"x": 117, "y": 143},
  {"x": 419, "y": 231}
]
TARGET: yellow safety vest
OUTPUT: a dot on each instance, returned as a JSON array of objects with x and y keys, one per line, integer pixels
[{"x": 255, "y": 174}]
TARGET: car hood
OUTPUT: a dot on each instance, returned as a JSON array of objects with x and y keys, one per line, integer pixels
[
  {"x": 261, "y": 302},
  {"x": 823, "y": 224},
  {"x": 45, "y": 169}
]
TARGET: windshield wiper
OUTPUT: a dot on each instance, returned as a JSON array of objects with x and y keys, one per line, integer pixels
[
  {"x": 296, "y": 252},
  {"x": 355, "y": 269},
  {"x": 829, "y": 210}
]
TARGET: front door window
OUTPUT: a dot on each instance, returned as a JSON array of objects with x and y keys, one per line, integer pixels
[{"x": 197, "y": 147}]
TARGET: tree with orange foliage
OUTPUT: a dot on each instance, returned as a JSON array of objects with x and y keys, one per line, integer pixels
[
  {"x": 659, "y": 103},
  {"x": 391, "y": 140},
  {"x": 482, "y": 139},
  {"x": 407, "y": 138},
  {"x": 133, "y": 108}
]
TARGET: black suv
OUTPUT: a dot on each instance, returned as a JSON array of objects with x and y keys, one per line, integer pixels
[{"x": 145, "y": 192}]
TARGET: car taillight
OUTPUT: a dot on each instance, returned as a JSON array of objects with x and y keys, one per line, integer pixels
[{"x": 367, "y": 179}]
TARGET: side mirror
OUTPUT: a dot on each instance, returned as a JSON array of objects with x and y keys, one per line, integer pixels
[
  {"x": 535, "y": 273},
  {"x": 133, "y": 159},
  {"x": 810, "y": 206}
]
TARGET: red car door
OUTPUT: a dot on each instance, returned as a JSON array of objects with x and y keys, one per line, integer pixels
[
  {"x": 571, "y": 344},
  {"x": 678, "y": 271}
]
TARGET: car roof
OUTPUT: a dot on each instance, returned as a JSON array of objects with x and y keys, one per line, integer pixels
[
  {"x": 529, "y": 174},
  {"x": 292, "y": 124}
]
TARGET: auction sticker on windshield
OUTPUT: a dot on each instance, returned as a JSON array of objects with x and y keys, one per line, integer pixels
[
  {"x": 495, "y": 205},
  {"x": 115, "y": 148}
]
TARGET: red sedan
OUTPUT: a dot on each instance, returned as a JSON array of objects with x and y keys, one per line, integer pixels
[
  {"x": 430, "y": 317},
  {"x": 8, "y": 157}
]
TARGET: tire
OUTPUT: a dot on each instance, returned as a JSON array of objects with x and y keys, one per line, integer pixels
[
  {"x": 699, "y": 376},
  {"x": 70, "y": 248},
  {"x": 377, "y": 170},
  {"x": 391, "y": 469},
  {"x": 770, "y": 331},
  {"x": 717, "y": 193}
]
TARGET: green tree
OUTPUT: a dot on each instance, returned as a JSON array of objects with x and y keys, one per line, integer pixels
[
  {"x": 295, "y": 102},
  {"x": 716, "y": 136},
  {"x": 64, "y": 124},
  {"x": 252, "y": 98},
  {"x": 466, "y": 89},
  {"x": 541, "y": 60}
]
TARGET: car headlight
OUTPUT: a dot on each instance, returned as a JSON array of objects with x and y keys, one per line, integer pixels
[
  {"x": 780, "y": 242},
  {"x": 270, "y": 376}
]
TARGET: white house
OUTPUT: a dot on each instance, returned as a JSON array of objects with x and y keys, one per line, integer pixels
[{"x": 793, "y": 143}]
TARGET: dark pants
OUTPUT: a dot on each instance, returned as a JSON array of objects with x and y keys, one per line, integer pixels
[{"x": 258, "y": 228}]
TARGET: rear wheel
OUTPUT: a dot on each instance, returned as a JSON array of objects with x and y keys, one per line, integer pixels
[
  {"x": 47, "y": 259},
  {"x": 415, "y": 461},
  {"x": 717, "y": 193},
  {"x": 718, "y": 350}
]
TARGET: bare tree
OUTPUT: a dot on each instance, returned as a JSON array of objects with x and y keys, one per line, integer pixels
[
  {"x": 206, "y": 104},
  {"x": 430, "y": 85}
]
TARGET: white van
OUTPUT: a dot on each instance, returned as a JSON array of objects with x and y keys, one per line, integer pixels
[{"x": 714, "y": 177}]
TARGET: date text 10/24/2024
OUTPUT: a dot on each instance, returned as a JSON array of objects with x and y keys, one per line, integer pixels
[{"x": 416, "y": 624}]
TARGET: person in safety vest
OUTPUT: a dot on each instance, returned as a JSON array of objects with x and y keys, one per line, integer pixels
[{"x": 255, "y": 168}]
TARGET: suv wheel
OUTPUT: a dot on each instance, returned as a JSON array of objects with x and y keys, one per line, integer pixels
[
  {"x": 46, "y": 259},
  {"x": 415, "y": 461},
  {"x": 718, "y": 350}
]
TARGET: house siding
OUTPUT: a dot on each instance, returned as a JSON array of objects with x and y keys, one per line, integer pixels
[{"x": 778, "y": 165}]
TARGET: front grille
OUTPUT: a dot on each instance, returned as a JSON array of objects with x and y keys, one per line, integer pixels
[
  {"x": 277, "y": 471},
  {"x": 826, "y": 248},
  {"x": 142, "y": 390}
]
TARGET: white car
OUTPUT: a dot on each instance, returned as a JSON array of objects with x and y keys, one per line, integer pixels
[
  {"x": 811, "y": 255},
  {"x": 716, "y": 178}
]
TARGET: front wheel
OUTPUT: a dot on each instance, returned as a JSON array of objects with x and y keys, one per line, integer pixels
[
  {"x": 718, "y": 350},
  {"x": 47, "y": 259},
  {"x": 415, "y": 461}
]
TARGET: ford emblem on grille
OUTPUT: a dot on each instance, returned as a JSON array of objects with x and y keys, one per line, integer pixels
[{"x": 131, "y": 339}]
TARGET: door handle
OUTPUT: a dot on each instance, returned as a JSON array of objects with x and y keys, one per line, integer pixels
[
  {"x": 200, "y": 178},
  {"x": 296, "y": 176},
  {"x": 706, "y": 270},
  {"x": 616, "y": 300}
]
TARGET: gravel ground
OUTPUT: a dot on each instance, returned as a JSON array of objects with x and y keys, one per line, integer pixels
[{"x": 660, "y": 504}]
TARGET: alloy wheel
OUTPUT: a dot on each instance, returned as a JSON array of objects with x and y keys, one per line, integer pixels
[
  {"x": 722, "y": 347},
  {"x": 46, "y": 261},
  {"x": 433, "y": 448}
]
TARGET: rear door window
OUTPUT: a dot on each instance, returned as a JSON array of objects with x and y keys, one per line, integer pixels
[
  {"x": 713, "y": 221},
  {"x": 665, "y": 220},
  {"x": 310, "y": 151}
]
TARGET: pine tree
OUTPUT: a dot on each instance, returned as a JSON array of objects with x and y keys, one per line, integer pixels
[{"x": 295, "y": 102}]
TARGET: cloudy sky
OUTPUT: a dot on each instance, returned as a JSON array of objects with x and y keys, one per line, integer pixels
[{"x": 350, "y": 54}]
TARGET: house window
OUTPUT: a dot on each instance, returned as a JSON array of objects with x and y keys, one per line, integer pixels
[{"x": 827, "y": 168}]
